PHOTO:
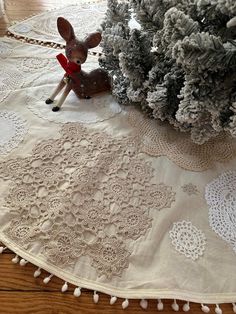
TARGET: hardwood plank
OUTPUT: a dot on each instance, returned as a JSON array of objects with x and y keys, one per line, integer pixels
[
  {"x": 16, "y": 277},
  {"x": 54, "y": 302}
]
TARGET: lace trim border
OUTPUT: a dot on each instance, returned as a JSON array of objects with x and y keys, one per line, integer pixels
[{"x": 24, "y": 258}]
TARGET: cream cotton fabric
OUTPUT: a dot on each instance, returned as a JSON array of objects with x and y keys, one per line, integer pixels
[{"x": 90, "y": 204}]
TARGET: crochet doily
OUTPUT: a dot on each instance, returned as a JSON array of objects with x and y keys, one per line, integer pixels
[
  {"x": 70, "y": 190},
  {"x": 10, "y": 79},
  {"x": 188, "y": 239},
  {"x": 99, "y": 108},
  {"x": 13, "y": 129},
  {"x": 159, "y": 139},
  {"x": 86, "y": 17},
  {"x": 221, "y": 198}
]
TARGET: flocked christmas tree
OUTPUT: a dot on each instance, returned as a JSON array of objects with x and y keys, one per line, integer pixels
[{"x": 178, "y": 64}]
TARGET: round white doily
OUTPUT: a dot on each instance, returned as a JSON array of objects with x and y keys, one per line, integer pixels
[
  {"x": 221, "y": 197},
  {"x": 99, "y": 108}
]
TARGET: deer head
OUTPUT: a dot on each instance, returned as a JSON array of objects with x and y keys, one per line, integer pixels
[{"x": 76, "y": 50}]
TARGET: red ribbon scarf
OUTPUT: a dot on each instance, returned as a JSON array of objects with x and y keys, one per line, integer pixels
[{"x": 69, "y": 67}]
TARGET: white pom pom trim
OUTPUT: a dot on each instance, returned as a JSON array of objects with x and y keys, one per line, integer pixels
[
  {"x": 15, "y": 259},
  {"x": 47, "y": 279},
  {"x": 77, "y": 292},
  {"x": 160, "y": 305},
  {"x": 218, "y": 309},
  {"x": 144, "y": 304},
  {"x": 64, "y": 288},
  {"x": 2, "y": 248},
  {"x": 37, "y": 273},
  {"x": 23, "y": 262},
  {"x": 234, "y": 307},
  {"x": 113, "y": 300},
  {"x": 125, "y": 304},
  {"x": 95, "y": 297},
  {"x": 205, "y": 308},
  {"x": 186, "y": 307},
  {"x": 175, "y": 306}
]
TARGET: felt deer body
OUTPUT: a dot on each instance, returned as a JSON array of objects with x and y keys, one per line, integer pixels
[{"x": 84, "y": 84}]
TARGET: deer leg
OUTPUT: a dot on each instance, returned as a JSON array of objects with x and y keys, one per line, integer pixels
[
  {"x": 63, "y": 97},
  {"x": 56, "y": 92}
]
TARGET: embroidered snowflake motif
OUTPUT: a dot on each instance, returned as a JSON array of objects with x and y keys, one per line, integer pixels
[
  {"x": 188, "y": 239},
  {"x": 190, "y": 189},
  {"x": 221, "y": 198},
  {"x": 34, "y": 64}
]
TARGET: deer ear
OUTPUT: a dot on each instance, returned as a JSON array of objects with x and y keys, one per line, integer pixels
[
  {"x": 93, "y": 40},
  {"x": 65, "y": 29}
]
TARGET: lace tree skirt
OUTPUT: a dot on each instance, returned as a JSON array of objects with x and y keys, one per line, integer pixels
[
  {"x": 85, "y": 16},
  {"x": 107, "y": 200}
]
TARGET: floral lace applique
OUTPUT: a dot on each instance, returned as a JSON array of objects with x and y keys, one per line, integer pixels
[
  {"x": 64, "y": 247},
  {"x": 109, "y": 256},
  {"x": 160, "y": 139},
  {"x": 85, "y": 193},
  {"x": 221, "y": 198},
  {"x": 13, "y": 130},
  {"x": 35, "y": 64},
  {"x": 10, "y": 79},
  {"x": 190, "y": 189},
  {"x": 188, "y": 239},
  {"x": 159, "y": 196}
]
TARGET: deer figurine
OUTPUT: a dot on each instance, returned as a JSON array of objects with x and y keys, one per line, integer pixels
[{"x": 84, "y": 84}]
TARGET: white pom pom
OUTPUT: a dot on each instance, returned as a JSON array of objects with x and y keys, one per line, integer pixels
[
  {"x": 218, "y": 309},
  {"x": 47, "y": 279},
  {"x": 234, "y": 307},
  {"x": 113, "y": 300},
  {"x": 125, "y": 304},
  {"x": 37, "y": 273},
  {"x": 15, "y": 259},
  {"x": 186, "y": 307},
  {"x": 2, "y": 248},
  {"x": 160, "y": 305},
  {"x": 77, "y": 292},
  {"x": 95, "y": 297},
  {"x": 205, "y": 308},
  {"x": 23, "y": 262},
  {"x": 175, "y": 306},
  {"x": 64, "y": 288},
  {"x": 144, "y": 304}
]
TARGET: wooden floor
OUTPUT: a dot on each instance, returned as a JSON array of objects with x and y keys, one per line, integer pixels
[{"x": 20, "y": 292}]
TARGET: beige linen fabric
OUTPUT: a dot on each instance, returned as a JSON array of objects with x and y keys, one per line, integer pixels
[{"x": 150, "y": 237}]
